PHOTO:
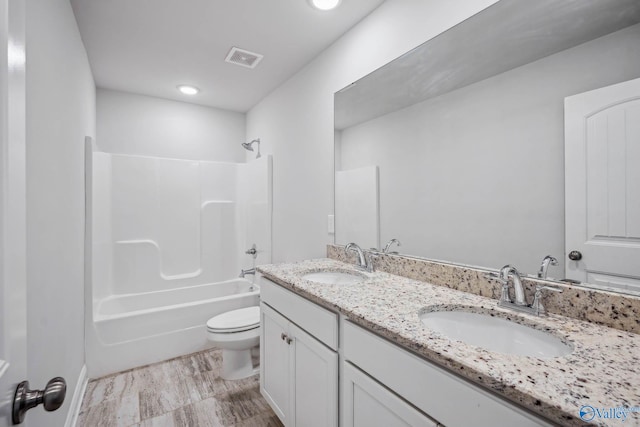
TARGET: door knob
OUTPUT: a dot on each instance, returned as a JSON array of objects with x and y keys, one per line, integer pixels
[
  {"x": 575, "y": 255},
  {"x": 51, "y": 397}
]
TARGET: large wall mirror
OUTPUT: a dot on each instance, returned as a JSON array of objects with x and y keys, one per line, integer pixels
[{"x": 457, "y": 148}]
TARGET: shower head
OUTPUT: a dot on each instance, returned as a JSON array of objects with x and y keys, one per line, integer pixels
[{"x": 249, "y": 146}]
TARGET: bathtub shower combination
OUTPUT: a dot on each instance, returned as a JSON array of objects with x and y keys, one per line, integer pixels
[{"x": 168, "y": 243}]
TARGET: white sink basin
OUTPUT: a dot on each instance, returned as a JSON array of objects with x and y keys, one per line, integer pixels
[
  {"x": 334, "y": 277},
  {"x": 495, "y": 334}
]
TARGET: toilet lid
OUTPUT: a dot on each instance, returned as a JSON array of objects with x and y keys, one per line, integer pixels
[{"x": 236, "y": 320}]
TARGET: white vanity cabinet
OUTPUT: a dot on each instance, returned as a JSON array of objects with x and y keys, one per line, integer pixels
[
  {"x": 381, "y": 384},
  {"x": 438, "y": 393},
  {"x": 299, "y": 362}
]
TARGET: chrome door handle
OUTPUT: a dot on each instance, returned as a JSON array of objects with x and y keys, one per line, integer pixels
[{"x": 51, "y": 397}]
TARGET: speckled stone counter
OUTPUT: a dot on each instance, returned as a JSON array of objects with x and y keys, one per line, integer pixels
[
  {"x": 606, "y": 308},
  {"x": 603, "y": 370}
]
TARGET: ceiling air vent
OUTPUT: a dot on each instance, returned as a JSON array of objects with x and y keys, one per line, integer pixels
[{"x": 243, "y": 57}]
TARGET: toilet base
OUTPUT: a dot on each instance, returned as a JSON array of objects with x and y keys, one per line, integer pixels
[
  {"x": 236, "y": 345},
  {"x": 237, "y": 364}
]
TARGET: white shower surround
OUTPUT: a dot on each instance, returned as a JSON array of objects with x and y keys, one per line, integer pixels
[{"x": 168, "y": 241}]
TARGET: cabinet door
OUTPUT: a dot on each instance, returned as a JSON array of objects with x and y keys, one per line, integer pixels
[
  {"x": 275, "y": 362},
  {"x": 315, "y": 381},
  {"x": 367, "y": 404}
]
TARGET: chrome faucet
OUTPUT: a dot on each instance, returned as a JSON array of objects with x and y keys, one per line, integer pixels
[
  {"x": 364, "y": 261},
  {"x": 249, "y": 271},
  {"x": 389, "y": 244},
  {"x": 546, "y": 261},
  {"x": 509, "y": 272},
  {"x": 253, "y": 251}
]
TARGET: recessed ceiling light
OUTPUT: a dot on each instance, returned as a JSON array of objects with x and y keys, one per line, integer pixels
[
  {"x": 188, "y": 90},
  {"x": 324, "y": 4}
]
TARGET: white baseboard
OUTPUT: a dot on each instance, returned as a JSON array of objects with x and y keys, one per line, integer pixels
[{"x": 76, "y": 400}]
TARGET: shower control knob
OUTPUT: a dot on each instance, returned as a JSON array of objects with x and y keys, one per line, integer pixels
[
  {"x": 51, "y": 397},
  {"x": 252, "y": 251},
  {"x": 575, "y": 255}
]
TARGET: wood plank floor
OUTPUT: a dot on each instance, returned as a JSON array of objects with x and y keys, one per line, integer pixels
[{"x": 182, "y": 392}]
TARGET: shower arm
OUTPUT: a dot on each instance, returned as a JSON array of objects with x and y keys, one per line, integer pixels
[
  {"x": 257, "y": 140},
  {"x": 249, "y": 146}
]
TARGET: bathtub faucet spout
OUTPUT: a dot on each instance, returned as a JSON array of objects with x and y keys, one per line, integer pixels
[{"x": 249, "y": 271}]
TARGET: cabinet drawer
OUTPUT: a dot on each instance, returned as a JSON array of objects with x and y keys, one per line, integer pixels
[
  {"x": 317, "y": 321},
  {"x": 442, "y": 395}
]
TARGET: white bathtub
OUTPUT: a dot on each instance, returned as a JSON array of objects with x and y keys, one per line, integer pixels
[{"x": 139, "y": 329}]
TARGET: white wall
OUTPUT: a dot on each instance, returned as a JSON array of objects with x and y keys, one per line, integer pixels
[
  {"x": 164, "y": 223},
  {"x": 357, "y": 205},
  {"x": 60, "y": 112},
  {"x": 295, "y": 122},
  {"x": 476, "y": 176},
  {"x": 135, "y": 124}
]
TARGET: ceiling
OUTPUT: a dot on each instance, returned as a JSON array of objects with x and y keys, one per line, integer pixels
[{"x": 151, "y": 46}]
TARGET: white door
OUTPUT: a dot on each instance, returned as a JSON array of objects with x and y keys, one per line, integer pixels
[
  {"x": 13, "y": 318},
  {"x": 602, "y": 185}
]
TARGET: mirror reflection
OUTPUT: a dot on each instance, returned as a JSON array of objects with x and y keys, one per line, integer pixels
[{"x": 457, "y": 148}]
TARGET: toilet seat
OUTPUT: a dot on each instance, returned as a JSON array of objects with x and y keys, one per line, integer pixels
[{"x": 240, "y": 320}]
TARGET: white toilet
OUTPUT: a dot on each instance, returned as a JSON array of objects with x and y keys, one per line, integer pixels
[{"x": 236, "y": 333}]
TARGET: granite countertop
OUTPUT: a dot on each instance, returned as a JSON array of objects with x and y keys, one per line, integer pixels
[{"x": 603, "y": 371}]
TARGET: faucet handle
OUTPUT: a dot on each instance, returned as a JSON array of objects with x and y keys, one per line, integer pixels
[
  {"x": 504, "y": 293},
  {"x": 540, "y": 288},
  {"x": 371, "y": 257},
  {"x": 253, "y": 251},
  {"x": 537, "y": 306}
]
